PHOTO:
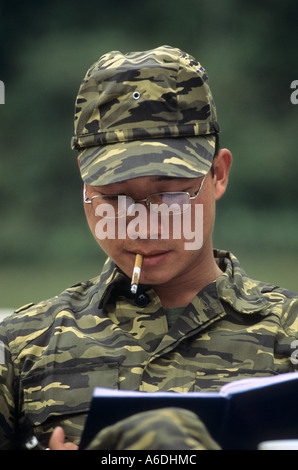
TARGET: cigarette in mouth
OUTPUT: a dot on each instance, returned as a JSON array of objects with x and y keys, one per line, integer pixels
[{"x": 136, "y": 273}]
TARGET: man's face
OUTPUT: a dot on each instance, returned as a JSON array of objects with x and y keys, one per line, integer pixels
[{"x": 165, "y": 259}]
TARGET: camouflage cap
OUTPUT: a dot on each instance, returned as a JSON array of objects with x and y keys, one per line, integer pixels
[{"x": 144, "y": 113}]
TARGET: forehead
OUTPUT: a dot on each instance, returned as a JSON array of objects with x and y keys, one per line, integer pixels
[{"x": 156, "y": 183}]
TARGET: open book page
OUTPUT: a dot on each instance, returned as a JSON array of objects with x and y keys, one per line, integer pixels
[
  {"x": 108, "y": 392},
  {"x": 228, "y": 389},
  {"x": 256, "y": 382}
]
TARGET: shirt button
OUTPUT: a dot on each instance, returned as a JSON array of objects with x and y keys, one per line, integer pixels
[{"x": 142, "y": 300}]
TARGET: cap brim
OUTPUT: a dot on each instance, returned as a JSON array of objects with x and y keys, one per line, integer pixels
[{"x": 180, "y": 157}]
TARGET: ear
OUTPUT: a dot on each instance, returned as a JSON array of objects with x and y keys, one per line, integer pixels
[{"x": 221, "y": 164}]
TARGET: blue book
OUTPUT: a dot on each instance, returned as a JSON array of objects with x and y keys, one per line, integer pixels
[{"x": 241, "y": 415}]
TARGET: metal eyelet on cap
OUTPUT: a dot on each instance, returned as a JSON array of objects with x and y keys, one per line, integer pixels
[{"x": 136, "y": 95}]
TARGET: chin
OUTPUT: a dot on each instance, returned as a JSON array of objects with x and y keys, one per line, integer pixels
[{"x": 156, "y": 279}]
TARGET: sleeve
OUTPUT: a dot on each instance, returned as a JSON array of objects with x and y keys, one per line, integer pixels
[
  {"x": 7, "y": 397},
  {"x": 162, "y": 429},
  {"x": 288, "y": 342}
]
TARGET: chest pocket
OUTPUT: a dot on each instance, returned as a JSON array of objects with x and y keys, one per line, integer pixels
[{"x": 64, "y": 391}]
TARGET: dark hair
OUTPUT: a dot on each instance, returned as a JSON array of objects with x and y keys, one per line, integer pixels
[{"x": 217, "y": 147}]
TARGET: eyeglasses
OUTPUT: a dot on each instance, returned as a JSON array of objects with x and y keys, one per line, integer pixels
[{"x": 176, "y": 202}]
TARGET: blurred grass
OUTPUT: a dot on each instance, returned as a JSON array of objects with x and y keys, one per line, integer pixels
[{"x": 32, "y": 283}]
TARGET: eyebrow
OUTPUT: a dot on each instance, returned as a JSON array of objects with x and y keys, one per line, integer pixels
[{"x": 166, "y": 178}]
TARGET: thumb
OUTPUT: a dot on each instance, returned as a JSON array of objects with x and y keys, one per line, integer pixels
[{"x": 57, "y": 439}]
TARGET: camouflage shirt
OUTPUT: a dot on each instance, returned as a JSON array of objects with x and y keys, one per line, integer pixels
[{"x": 96, "y": 334}]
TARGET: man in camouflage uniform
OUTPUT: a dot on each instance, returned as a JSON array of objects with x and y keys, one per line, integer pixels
[{"x": 145, "y": 123}]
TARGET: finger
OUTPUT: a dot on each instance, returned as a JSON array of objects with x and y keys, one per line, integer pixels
[{"x": 57, "y": 439}]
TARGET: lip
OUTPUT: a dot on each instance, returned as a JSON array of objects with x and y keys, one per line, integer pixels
[{"x": 152, "y": 258}]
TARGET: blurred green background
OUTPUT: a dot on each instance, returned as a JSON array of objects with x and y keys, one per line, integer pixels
[{"x": 250, "y": 52}]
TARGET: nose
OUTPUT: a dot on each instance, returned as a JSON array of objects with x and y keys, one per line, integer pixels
[{"x": 141, "y": 224}]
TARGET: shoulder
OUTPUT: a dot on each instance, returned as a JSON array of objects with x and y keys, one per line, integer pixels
[
  {"x": 33, "y": 320},
  {"x": 284, "y": 303},
  {"x": 277, "y": 294}
]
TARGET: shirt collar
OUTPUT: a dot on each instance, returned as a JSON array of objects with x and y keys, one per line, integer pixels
[
  {"x": 110, "y": 276},
  {"x": 236, "y": 288},
  {"x": 233, "y": 286}
]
